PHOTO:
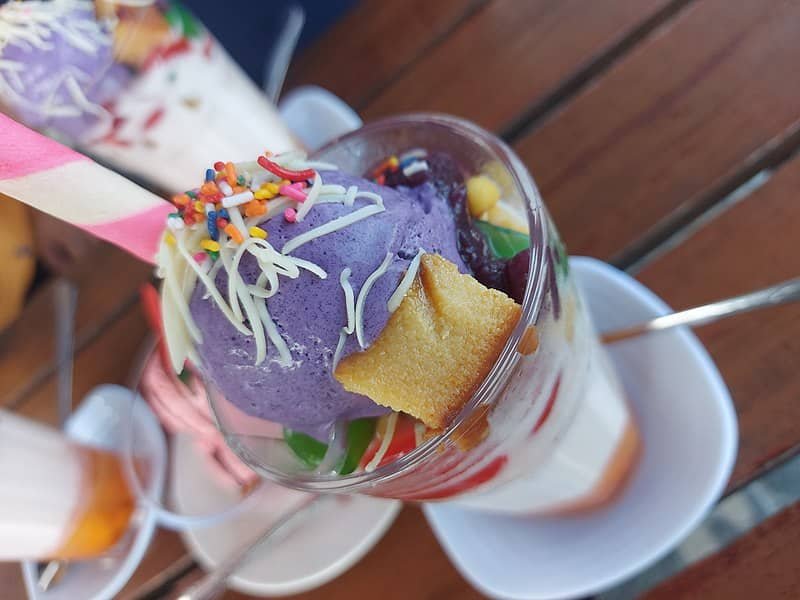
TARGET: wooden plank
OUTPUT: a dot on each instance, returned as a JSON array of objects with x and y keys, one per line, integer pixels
[
  {"x": 762, "y": 564},
  {"x": 107, "y": 359},
  {"x": 510, "y": 56},
  {"x": 407, "y": 563},
  {"x": 11, "y": 582},
  {"x": 27, "y": 348},
  {"x": 752, "y": 245},
  {"x": 373, "y": 43},
  {"x": 687, "y": 109}
]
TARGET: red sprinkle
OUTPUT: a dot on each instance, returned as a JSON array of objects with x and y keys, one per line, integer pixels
[
  {"x": 279, "y": 171},
  {"x": 290, "y": 215},
  {"x": 219, "y": 165}
]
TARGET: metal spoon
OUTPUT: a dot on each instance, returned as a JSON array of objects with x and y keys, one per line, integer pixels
[
  {"x": 213, "y": 584},
  {"x": 787, "y": 291},
  {"x": 65, "y": 297}
]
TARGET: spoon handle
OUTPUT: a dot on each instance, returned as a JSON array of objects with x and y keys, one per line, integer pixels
[
  {"x": 787, "y": 291},
  {"x": 213, "y": 584}
]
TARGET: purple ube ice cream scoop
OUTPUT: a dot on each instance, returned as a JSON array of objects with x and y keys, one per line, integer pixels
[
  {"x": 309, "y": 312},
  {"x": 57, "y": 67}
]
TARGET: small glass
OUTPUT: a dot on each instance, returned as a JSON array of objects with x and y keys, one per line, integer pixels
[
  {"x": 59, "y": 499},
  {"x": 549, "y": 429}
]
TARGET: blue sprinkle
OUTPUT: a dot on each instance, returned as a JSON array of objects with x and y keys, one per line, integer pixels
[
  {"x": 224, "y": 214},
  {"x": 210, "y": 174},
  {"x": 211, "y": 222}
]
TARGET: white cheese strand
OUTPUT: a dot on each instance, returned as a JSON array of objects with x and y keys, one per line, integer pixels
[
  {"x": 362, "y": 296},
  {"x": 349, "y": 300},
  {"x": 274, "y": 335},
  {"x": 350, "y": 196},
  {"x": 377, "y": 199},
  {"x": 235, "y": 200},
  {"x": 238, "y": 221},
  {"x": 405, "y": 283},
  {"x": 332, "y": 188},
  {"x": 337, "y": 355},
  {"x": 179, "y": 300},
  {"x": 391, "y": 424},
  {"x": 331, "y": 226},
  {"x": 203, "y": 276},
  {"x": 311, "y": 198},
  {"x": 254, "y": 318}
]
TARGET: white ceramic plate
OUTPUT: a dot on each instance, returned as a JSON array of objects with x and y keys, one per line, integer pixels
[
  {"x": 689, "y": 433},
  {"x": 333, "y": 538}
]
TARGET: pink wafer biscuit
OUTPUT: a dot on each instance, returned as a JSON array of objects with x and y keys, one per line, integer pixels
[{"x": 70, "y": 186}]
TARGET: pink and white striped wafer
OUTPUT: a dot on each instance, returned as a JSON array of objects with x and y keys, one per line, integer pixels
[{"x": 70, "y": 186}]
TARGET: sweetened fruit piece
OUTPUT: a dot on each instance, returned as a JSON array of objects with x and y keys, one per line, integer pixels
[
  {"x": 482, "y": 194},
  {"x": 437, "y": 346}
]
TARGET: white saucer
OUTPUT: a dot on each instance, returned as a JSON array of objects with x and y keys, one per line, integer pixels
[
  {"x": 330, "y": 541},
  {"x": 689, "y": 431},
  {"x": 104, "y": 420}
]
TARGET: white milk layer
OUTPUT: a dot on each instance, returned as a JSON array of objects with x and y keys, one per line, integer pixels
[
  {"x": 579, "y": 456},
  {"x": 40, "y": 486},
  {"x": 561, "y": 461}
]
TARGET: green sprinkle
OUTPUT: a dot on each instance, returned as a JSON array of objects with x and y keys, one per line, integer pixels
[
  {"x": 191, "y": 194},
  {"x": 240, "y": 180}
]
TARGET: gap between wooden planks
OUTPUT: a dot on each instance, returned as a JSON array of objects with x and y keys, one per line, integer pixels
[
  {"x": 512, "y": 55},
  {"x": 749, "y": 246},
  {"x": 106, "y": 285},
  {"x": 683, "y": 112},
  {"x": 707, "y": 97},
  {"x": 762, "y": 564},
  {"x": 375, "y": 42}
]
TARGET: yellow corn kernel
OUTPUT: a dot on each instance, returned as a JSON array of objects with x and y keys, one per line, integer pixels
[{"x": 482, "y": 194}]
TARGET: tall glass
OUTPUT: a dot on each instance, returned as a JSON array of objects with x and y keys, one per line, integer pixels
[
  {"x": 139, "y": 84},
  {"x": 549, "y": 428},
  {"x": 58, "y": 499}
]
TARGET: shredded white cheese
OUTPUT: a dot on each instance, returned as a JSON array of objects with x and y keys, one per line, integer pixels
[
  {"x": 203, "y": 276},
  {"x": 330, "y": 227},
  {"x": 337, "y": 355},
  {"x": 391, "y": 424},
  {"x": 274, "y": 334},
  {"x": 350, "y": 197},
  {"x": 362, "y": 296},
  {"x": 311, "y": 198},
  {"x": 349, "y": 300},
  {"x": 405, "y": 283},
  {"x": 332, "y": 188},
  {"x": 376, "y": 198}
]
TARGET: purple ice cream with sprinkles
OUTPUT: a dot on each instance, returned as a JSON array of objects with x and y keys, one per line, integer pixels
[{"x": 309, "y": 312}]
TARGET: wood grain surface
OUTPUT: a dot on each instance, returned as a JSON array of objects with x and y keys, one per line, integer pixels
[
  {"x": 510, "y": 56},
  {"x": 746, "y": 248},
  {"x": 689, "y": 107},
  {"x": 762, "y": 564},
  {"x": 374, "y": 43},
  {"x": 27, "y": 348},
  {"x": 407, "y": 563}
]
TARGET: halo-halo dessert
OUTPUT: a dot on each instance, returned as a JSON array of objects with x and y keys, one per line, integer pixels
[{"x": 369, "y": 313}]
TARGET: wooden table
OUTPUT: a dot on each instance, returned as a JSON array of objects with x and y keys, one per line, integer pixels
[{"x": 662, "y": 134}]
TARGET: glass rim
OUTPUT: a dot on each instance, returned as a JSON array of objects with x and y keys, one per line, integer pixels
[{"x": 498, "y": 375}]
